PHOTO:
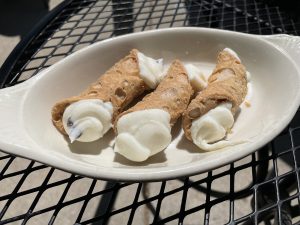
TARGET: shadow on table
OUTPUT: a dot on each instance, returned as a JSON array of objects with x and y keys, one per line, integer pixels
[{"x": 18, "y": 17}]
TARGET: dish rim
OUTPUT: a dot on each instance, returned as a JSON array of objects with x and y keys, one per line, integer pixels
[{"x": 159, "y": 173}]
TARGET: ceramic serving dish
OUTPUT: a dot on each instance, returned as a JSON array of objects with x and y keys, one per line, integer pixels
[{"x": 273, "y": 61}]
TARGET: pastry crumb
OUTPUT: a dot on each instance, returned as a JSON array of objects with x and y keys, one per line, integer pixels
[{"x": 247, "y": 104}]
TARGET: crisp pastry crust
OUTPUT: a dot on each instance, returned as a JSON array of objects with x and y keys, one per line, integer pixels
[
  {"x": 119, "y": 85},
  {"x": 172, "y": 94}
]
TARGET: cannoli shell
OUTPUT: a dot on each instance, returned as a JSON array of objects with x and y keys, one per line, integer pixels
[
  {"x": 119, "y": 85},
  {"x": 221, "y": 88},
  {"x": 172, "y": 94}
]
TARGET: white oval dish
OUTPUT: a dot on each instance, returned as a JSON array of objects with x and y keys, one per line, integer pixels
[{"x": 25, "y": 117}]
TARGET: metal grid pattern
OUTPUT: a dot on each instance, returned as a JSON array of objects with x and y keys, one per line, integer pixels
[
  {"x": 84, "y": 22},
  {"x": 44, "y": 195}
]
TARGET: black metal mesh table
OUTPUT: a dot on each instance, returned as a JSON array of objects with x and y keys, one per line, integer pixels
[{"x": 40, "y": 194}]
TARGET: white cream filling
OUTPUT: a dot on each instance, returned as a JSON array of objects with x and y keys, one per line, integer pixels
[
  {"x": 142, "y": 134},
  {"x": 231, "y": 52},
  {"x": 196, "y": 77},
  {"x": 151, "y": 70},
  {"x": 248, "y": 76},
  {"x": 249, "y": 88},
  {"x": 87, "y": 120},
  {"x": 212, "y": 127}
]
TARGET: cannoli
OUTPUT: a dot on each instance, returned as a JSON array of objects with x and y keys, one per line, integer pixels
[
  {"x": 210, "y": 116},
  {"x": 88, "y": 116},
  {"x": 145, "y": 129}
]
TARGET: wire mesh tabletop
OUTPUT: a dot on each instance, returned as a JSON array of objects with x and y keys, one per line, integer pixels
[{"x": 39, "y": 194}]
